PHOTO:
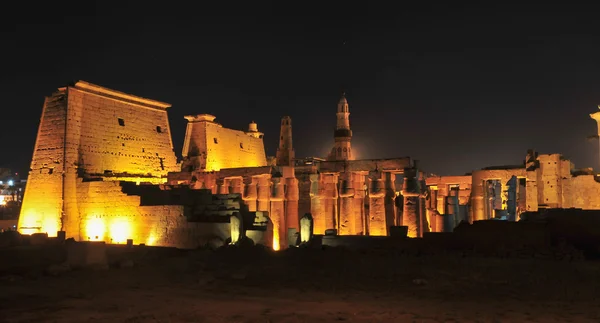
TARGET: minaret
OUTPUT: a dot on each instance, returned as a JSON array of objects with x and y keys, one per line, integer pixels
[
  {"x": 596, "y": 116},
  {"x": 285, "y": 152},
  {"x": 343, "y": 135}
]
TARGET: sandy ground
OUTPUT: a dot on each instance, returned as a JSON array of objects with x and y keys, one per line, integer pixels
[{"x": 253, "y": 285}]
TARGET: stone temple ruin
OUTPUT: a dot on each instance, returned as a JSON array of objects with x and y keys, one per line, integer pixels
[
  {"x": 505, "y": 192},
  {"x": 104, "y": 169}
]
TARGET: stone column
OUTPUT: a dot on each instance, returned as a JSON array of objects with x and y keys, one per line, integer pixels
[
  {"x": 222, "y": 186},
  {"x": 210, "y": 182},
  {"x": 263, "y": 191},
  {"x": 437, "y": 221},
  {"x": 347, "y": 220},
  {"x": 499, "y": 196},
  {"x": 250, "y": 193},
  {"x": 411, "y": 193},
  {"x": 477, "y": 198},
  {"x": 268, "y": 235},
  {"x": 358, "y": 209},
  {"x": 390, "y": 196},
  {"x": 424, "y": 224},
  {"x": 292, "y": 197},
  {"x": 377, "y": 219},
  {"x": 316, "y": 207},
  {"x": 330, "y": 201},
  {"x": 236, "y": 186},
  {"x": 452, "y": 210},
  {"x": 399, "y": 203},
  {"x": 431, "y": 208},
  {"x": 277, "y": 214}
]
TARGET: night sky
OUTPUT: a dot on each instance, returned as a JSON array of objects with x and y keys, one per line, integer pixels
[{"x": 457, "y": 87}]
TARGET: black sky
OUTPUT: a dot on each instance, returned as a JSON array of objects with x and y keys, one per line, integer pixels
[{"x": 459, "y": 87}]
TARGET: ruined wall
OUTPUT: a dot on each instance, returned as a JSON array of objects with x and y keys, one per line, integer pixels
[
  {"x": 273, "y": 190},
  {"x": 551, "y": 171},
  {"x": 582, "y": 192},
  {"x": 443, "y": 184},
  {"x": 444, "y": 192},
  {"x": 548, "y": 184},
  {"x": 480, "y": 208},
  {"x": 108, "y": 214},
  {"x": 209, "y": 146},
  {"x": 42, "y": 202}
]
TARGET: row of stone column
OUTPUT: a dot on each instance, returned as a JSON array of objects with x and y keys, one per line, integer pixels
[
  {"x": 277, "y": 196},
  {"x": 365, "y": 203}
]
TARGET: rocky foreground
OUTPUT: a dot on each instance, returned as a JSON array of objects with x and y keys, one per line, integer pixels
[{"x": 301, "y": 285}]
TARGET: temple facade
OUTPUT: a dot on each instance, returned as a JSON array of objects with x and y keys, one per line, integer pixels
[
  {"x": 104, "y": 169},
  {"x": 94, "y": 143}
]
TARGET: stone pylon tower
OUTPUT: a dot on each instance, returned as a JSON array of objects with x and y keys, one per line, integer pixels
[
  {"x": 342, "y": 149},
  {"x": 285, "y": 152}
]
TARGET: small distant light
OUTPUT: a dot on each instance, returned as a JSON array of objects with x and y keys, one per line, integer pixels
[
  {"x": 10, "y": 183},
  {"x": 1, "y": 182}
]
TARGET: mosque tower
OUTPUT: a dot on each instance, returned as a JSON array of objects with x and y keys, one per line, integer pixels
[
  {"x": 285, "y": 153},
  {"x": 342, "y": 149},
  {"x": 596, "y": 116}
]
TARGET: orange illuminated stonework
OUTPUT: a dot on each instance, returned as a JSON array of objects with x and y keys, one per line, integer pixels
[
  {"x": 91, "y": 140},
  {"x": 209, "y": 146},
  {"x": 544, "y": 181},
  {"x": 92, "y": 133},
  {"x": 104, "y": 169}
]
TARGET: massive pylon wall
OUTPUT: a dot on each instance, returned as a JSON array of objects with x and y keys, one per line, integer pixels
[
  {"x": 209, "y": 146},
  {"x": 90, "y": 131}
]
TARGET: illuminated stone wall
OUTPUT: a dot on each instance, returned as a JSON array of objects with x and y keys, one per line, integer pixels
[
  {"x": 550, "y": 175},
  {"x": 110, "y": 215},
  {"x": 448, "y": 201},
  {"x": 582, "y": 192},
  {"x": 107, "y": 214},
  {"x": 265, "y": 189},
  {"x": 353, "y": 197},
  {"x": 89, "y": 131},
  {"x": 42, "y": 202},
  {"x": 544, "y": 181},
  {"x": 120, "y": 133},
  {"x": 209, "y": 146},
  {"x": 91, "y": 139},
  {"x": 483, "y": 203}
]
